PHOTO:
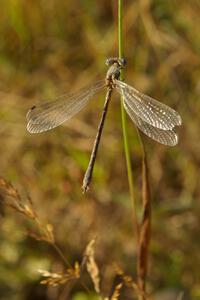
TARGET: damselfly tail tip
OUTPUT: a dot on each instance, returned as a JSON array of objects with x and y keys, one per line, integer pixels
[{"x": 85, "y": 188}]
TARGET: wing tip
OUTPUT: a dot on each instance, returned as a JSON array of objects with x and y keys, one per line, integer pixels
[
  {"x": 173, "y": 141},
  {"x": 179, "y": 120},
  {"x": 37, "y": 128},
  {"x": 30, "y": 128}
]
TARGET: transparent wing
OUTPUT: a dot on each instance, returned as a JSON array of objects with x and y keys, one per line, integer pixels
[
  {"x": 46, "y": 116},
  {"x": 166, "y": 137},
  {"x": 148, "y": 109}
]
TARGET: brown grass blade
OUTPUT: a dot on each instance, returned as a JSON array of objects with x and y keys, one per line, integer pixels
[{"x": 145, "y": 227}]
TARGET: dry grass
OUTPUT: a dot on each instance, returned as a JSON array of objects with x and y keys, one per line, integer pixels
[{"x": 11, "y": 198}]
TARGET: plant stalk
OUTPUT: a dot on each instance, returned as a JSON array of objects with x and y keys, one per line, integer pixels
[{"x": 124, "y": 121}]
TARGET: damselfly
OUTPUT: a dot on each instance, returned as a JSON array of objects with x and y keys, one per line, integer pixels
[{"x": 152, "y": 117}]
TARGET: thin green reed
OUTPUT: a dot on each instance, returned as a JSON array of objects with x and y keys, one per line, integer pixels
[{"x": 124, "y": 121}]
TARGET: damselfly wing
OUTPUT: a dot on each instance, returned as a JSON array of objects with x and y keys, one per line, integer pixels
[
  {"x": 46, "y": 116},
  {"x": 152, "y": 117}
]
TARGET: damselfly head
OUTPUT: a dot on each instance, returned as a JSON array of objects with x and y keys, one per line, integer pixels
[{"x": 120, "y": 61}]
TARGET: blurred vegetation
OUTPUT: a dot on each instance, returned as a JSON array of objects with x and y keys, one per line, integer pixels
[{"x": 50, "y": 47}]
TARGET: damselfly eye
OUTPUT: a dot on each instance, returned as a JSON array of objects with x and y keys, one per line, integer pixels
[
  {"x": 110, "y": 61},
  {"x": 122, "y": 62}
]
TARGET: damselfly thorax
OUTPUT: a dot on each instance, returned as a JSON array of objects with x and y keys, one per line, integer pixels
[{"x": 152, "y": 117}]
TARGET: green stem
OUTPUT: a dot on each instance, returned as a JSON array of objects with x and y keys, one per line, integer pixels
[{"x": 124, "y": 122}]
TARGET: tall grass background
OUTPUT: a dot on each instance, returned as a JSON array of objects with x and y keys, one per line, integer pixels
[{"x": 49, "y": 48}]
